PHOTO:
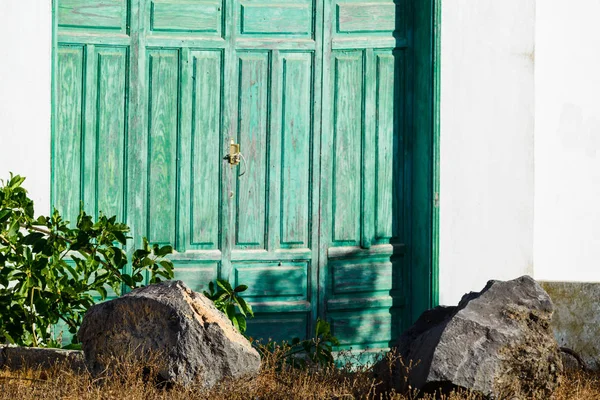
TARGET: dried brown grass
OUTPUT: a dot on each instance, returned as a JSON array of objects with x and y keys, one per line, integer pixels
[{"x": 273, "y": 382}]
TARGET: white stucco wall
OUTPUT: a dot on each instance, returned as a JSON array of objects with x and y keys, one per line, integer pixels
[
  {"x": 25, "y": 87},
  {"x": 567, "y": 139},
  {"x": 487, "y": 123}
]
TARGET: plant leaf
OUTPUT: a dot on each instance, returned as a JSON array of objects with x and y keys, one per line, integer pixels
[
  {"x": 225, "y": 285},
  {"x": 163, "y": 251},
  {"x": 32, "y": 238},
  {"x": 240, "y": 288},
  {"x": 102, "y": 291},
  {"x": 4, "y": 215},
  {"x": 241, "y": 323},
  {"x": 244, "y": 306}
]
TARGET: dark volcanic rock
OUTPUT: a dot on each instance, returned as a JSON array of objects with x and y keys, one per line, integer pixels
[
  {"x": 189, "y": 339},
  {"x": 496, "y": 342}
]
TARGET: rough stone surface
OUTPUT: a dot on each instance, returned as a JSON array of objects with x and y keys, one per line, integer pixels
[
  {"x": 496, "y": 342},
  {"x": 190, "y": 340},
  {"x": 576, "y": 320},
  {"x": 15, "y": 358}
]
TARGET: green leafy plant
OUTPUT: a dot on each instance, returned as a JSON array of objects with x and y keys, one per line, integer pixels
[
  {"x": 50, "y": 271},
  {"x": 228, "y": 300},
  {"x": 316, "y": 351}
]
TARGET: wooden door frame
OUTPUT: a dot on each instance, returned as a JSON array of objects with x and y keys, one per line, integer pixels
[
  {"x": 424, "y": 210},
  {"x": 424, "y": 202}
]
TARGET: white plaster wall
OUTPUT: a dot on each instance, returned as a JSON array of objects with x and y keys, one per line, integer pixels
[
  {"x": 25, "y": 87},
  {"x": 487, "y": 124},
  {"x": 567, "y": 138}
]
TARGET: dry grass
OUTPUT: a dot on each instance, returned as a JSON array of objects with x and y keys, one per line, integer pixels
[{"x": 272, "y": 383}]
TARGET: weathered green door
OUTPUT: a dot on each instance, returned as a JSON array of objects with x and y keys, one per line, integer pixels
[
  {"x": 148, "y": 95},
  {"x": 362, "y": 167}
]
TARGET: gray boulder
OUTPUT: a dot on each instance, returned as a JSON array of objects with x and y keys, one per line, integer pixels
[
  {"x": 181, "y": 331},
  {"x": 496, "y": 342}
]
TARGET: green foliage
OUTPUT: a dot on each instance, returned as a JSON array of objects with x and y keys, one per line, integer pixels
[
  {"x": 316, "y": 351},
  {"x": 50, "y": 271},
  {"x": 228, "y": 300}
]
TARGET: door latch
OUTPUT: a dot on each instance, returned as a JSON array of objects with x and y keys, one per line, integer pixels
[{"x": 235, "y": 156}]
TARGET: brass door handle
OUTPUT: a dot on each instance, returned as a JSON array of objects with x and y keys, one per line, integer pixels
[{"x": 234, "y": 156}]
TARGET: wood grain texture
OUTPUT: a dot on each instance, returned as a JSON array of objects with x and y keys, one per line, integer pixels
[
  {"x": 372, "y": 276},
  {"x": 347, "y": 147},
  {"x": 296, "y": 140},
  {"x": 206, "y": 149},
  {"x": 186, "y": 16},
  {"x": 93, "y": 14},
  {"x": 163, "y": 84},
  {"x": 89, "y": 141},
  {"x": 196, "y": 274},
  {"x": 68, "y": 137},
  {"x": 386, "y": 155},
  {"x": 111, "y": 131},
  {"x": 278, "y": 19},
  {"x": 274, "y": 282},
  {"x": 366, "y": 17},
  {"x": 251, "y": 205}
]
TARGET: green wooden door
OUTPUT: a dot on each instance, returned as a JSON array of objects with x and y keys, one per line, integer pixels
[
  {"x": 362, "y": 171},
  {"x": 148, "y": 95}
]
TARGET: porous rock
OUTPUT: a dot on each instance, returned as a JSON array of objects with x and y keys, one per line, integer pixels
[
  {"x": 189, "y": 340},
  {"x": 17, "y": 358},
  {"x": 497, "y": 342}
]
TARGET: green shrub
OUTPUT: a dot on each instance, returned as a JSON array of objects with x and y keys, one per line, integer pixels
[
  {"x": 50, "y": 271},
  {"x": 228, "y": 300}
]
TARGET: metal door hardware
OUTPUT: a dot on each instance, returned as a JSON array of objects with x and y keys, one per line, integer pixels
[{"x": 235, "y": 156}]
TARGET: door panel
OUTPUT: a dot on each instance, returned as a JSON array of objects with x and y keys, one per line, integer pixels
[
  {"x": 296, "y": 79},
  {"x": 346, "y": 172},
  {"x": 203, "y": 17},
  {"x": 387, "y": 156},
  {"x": 67, "y": 140},
  {"x": 111, "y": 129},
  {"x": 163, "y": 83},
  {"x": 365, "y": 17},
  {"x": 149, "y": 93},
  {"x": 279, "y": 325},
  {"x": 106, "y": 15},
  {"x": 362, "y": 279},
  {"x": 251, "y": 188},
  {"x": 205, "y": 141},
  {"x": 281, "y": 18}
]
